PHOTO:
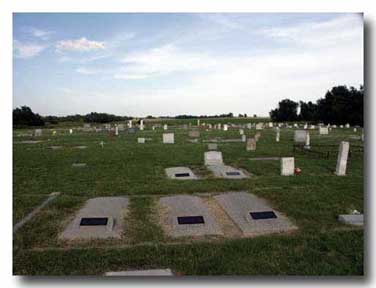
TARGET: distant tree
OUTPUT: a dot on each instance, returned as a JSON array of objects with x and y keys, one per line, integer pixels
[
  {"x": 24, "y": 116},
  {"x": 286, "y": 111},
  {"x": 254, "y": 116},
  {"x": 308, "y": 111}
]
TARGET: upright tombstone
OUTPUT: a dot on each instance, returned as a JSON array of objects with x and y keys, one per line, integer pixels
[
  {"x": 141, "y": 140},
  {"x": 38, "y": 132},
  {"x": 307, "y": 144},
  {"x": 355, "y": 130},
  {"x": 213, "y": 158},
  {"x": 323, "y": 130},
  {"x": 305, "y": 126},
  {"x": 300, "y": 136},
  {"x": 277, "y": 135},
  {"x": 121, "y": 127},
  {"x": 287, "y": 166},
  {"x": 257, "y": 136},
  {"x": 249, "y": 125},
  {"x": 244, "y": 138},
  {"x": 198, "y": 122},
  {"x": 241, "y": 131},
  {"x": 165, "y": 127},
  {"x": 251, "y": 144},
  {"x": 259, "y": 126},
  {"x": 141, "y": 125},
  {"x": 168, "y": 138},
  {"x": 347, "y": 125},
  {"x": 71, "y": 131},
  {"x": 225, "y": 127},
  {"x": 129, "y": 123},
  {"x": 116, "y": 130},
  {"x": 219, "y": 126},
  {"x": 270, "y": 124},
  {"x": 343, "y": 154}
]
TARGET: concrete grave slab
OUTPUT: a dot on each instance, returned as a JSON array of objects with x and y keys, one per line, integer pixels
[
  {"x": 213, "y": 158},
  {"x": 227, "y": 172},
  {"x": 149, "y": 272},
  {"x": 112, "y": 208},
  {"x": 172, "y": 207},
  {"x": 352, "y": 219},
  {"x": 240, "y": 205},
  {"x": 180, "y": 173}
]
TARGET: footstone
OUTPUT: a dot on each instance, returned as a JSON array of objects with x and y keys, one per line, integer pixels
[
  {"x": 253, "y": 215},
  {"x": 352, "y": 219},
  {"x": 213, "y": 158},
  {"x": 79, "y": 165},
  {"x": 212, "y": 146},
  {"x": 173, "y": 207},
  {"x": 100, "y": 218},
  {"x": 168, "y": 138},
  {"x": 287, "y": 166},
  {"x": 343, "y": 154},
  {"x": 180, "y": 173},
  {"x": 227, "y": 172},
  {"x": 150, "y": 272},
  {"x": 264, "y": 158},
  {"x": 80, "y": 147},
  {"x": 141, "y": 140}
]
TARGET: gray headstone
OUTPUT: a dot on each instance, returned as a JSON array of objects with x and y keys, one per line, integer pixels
[
  {"x": 251, "y": 144},
  {"x": 212, "y": 146},
  {"x": 352, "y": 219},
  {"x": 343, "y": 153},
  {"x": 300, "y": 136},
  {"x": 213, "y": 158},
  {"x": 168, "y": 138}
]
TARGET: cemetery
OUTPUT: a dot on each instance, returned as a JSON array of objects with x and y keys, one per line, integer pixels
[{"x": 203, "y": 205}]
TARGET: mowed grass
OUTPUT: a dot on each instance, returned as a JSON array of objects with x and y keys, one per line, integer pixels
[{"x": 321, "y": 246}]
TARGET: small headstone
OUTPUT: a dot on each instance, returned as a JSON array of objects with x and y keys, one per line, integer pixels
[
  {"x": 355, "y": 129},
  {"x": 38, "y": 132},
  {"x": 116, "y": 131},
  {"x": 213, "y": 158},
  {"x": 241, "y": 131},
  {"x": 101, "y": 144},
  {"x": 259, "y": 126},
  {"x": 225, "y": 127},
  {"x": 244, "y": 138},
  {"x": 141, "y": 125},
  {"x": 277, "y": 135},
  {"x": 343, "y": 153},
  {"x": 352, "y": 219},
  {"x": 323, "y": 130},
  {"x": 287, "y": 166},
  {"x": 79, "y": 165},
  {"x": 307, "y": 142},
  {"x": 194, "y": 133},
  {"x": 165, "y": 127},
  {"x": 251, "y": 144},
  {"x": 168, "y": 138},
  {"x": 71, "y": 131},
  {"x": 141, "y": 140},
  {"x": 347, "y": 125},
  {"x": 130, "y": 124},
  {"x": 257, "y": 136},
  {"x": 270, "y": 124},
  {"x": 212, "y": 146},
  {"x": 300, "y": 136}
]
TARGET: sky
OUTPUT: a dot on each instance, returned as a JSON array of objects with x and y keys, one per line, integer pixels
[{"x": 139, "y": 64}]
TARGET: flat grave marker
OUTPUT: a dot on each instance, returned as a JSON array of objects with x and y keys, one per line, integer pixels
[{"x": 180, "y": 173}]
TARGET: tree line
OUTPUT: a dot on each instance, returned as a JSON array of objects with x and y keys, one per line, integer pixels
[{"x": 340, "y": 105}]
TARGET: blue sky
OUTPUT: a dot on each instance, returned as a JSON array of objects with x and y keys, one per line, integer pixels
[{"x": 142, "y": 64}]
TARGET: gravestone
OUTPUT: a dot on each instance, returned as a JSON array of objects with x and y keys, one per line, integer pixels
[
  {"x": 257, "y": 136},
  {"x": 300, "y": 136},
  {"x": 251, "y": 144},
  {"x": 244, "y": 138},
  {"x": 213, "y": 158},
  {"x": 323, "y": 130},
  {"x": 352, "y": 219},
  {"x": 355, "y": 130},
  {"x": 168, "y": 138},
  {"x": 173, "y": 208},
  {"x": 141, "y": 140},
  {"x": 121, "y": 127},
  {"x": 180, "y": 173},
  {"x": 212, "y": 146},
  {"x": 79, "y": 165},
  {"x": 130, "y": 124},
  {"x": 277, "y": 135},
  {"x": 249, "y": 125},
  {"x": 227, "y": 172},
  {"x": 307, "y": 141},
  {"x": 225, "y": 127},
  {"x": 116, "y": 131},
  {"x": 194, "y": 133},
  {"x": 270, "y": 124},
  {"x": 71, "y": 131},
  {"x": 259, "y": 126},
  {"x": 241, "y": 131},
  {"x": 343, "y": 154},
  {"x": 347, "y": 125},
  {"x": 296, "y": 125},
  {"x": 287, "y": 166},
  {"x": 38, "y": 132},
  {"x": 141, "y": 125},
  {"x": 253, "y": 215},
  {"x": 100, "y": 218}
]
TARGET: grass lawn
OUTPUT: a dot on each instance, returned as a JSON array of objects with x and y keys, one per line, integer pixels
[{"x": 312, "y": 201}]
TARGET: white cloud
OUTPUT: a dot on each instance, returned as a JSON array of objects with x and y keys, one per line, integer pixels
[
  {"x": 42, "y": 34},
  {"x": 86, "y": 71},
  {"x": 27, "y": 50},
  {"x": 81, "y": 44}
]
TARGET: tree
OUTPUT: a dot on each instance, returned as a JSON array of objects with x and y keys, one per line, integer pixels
[
  {"x": 286, "y": 111},
  {"x": 24, "y": 116},
  {"x": 308, "y": 111}
]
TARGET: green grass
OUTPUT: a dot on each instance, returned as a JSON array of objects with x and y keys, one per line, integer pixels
[{"x": 321, "y": 246}]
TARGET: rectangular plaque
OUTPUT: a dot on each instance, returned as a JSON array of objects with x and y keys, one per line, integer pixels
[
  {"x": 182, "y": 175},
  {"x": 263, "y": 215},
  {"x": 191, "y": 220},
  {"x": 95, "y": 221},
  {"x": 232, "y": 173}
]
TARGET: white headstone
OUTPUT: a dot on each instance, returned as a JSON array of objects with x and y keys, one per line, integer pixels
[
  {"x": 287, "y": 166},
  {"x": 277, "y": 135},
  {"x": 323, "y": 130},
  {"x": 307, "y": 141},
  {"x": 270, "y": 124},
  {"x": 130, "y": 124},
  {"x": 141, "y": 140},
  {"x": 343, "y": 154},
  {"x": 70, "y": 131},
  {"x": 168, "y": 138},
  {"x": 38, "y": 132},
  {"x": 165, "y": 127},
  {"x": 241, "y": 131},
  {"x": 355, "y": 129},
  {"x": 116, "y": 130},
  {"x": 347, "y": 125},
  {"x": 213, "y": 158},
  {"x": 259, "y": 126},
  {"x": 300, "y": 136},
  {"x": 244, "y": 138},
  {"x": 225, "y": 127}
]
